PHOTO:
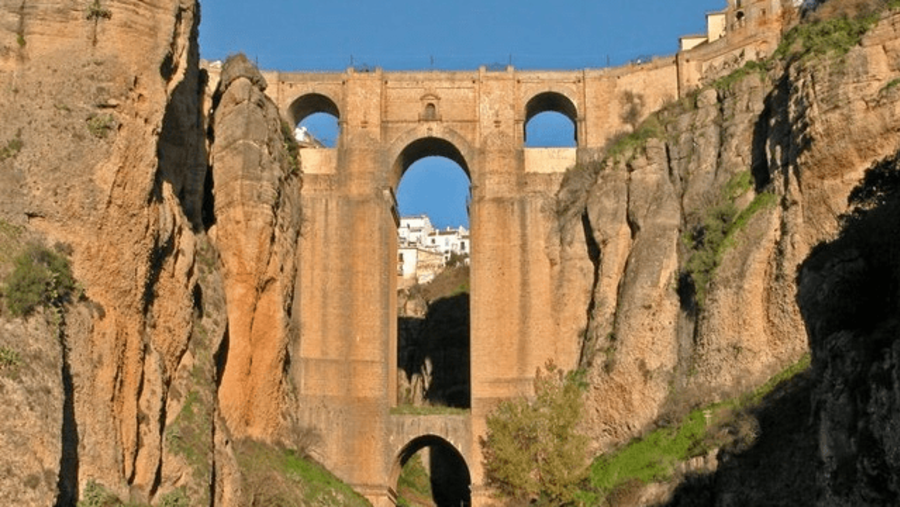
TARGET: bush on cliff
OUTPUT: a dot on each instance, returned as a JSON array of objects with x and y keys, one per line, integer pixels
[
  {"x": 533, "y": 450},
  {"x": 41, "y": 277}
]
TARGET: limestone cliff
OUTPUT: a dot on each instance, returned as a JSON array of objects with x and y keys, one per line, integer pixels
[
  {"x": 257, "y": 225},
  {"x": 765, "y": 159},
  {"x": 104, "y": 144}
]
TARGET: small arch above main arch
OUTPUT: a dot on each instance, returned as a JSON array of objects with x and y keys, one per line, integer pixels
[
  {"x": 312, "y": 103},
  {"x": 551, "y": 101}
]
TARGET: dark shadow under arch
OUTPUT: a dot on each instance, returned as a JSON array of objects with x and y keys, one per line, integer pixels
[
  {"x": 450, "y": 478},
  {"x": 312, "y": 103},
  {"x": 552, "y": 102}
]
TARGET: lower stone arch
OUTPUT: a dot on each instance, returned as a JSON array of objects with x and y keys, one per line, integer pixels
[{"x": 451, "y": 481}]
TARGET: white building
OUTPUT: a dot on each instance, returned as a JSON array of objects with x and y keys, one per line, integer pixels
[
  {"x": 413, "y": 230},
  {"x": 449, "y": 241},
  {"x": 423, "y": 251}
]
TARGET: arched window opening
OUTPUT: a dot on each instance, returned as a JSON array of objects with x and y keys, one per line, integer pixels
[
  {"x": 551, "y": 121},
  {"x": 430, "y": 112},
  {"x": 317, "y": 121},
  {"x": 430, "y": 468},
  {"x": 550, "y": 130},
  {"x": 433, "y": 352}
]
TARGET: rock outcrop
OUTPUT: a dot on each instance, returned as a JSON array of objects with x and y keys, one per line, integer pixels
[
  {"x": 103, "y": 99},
  {"x": 775, "y": 155},
  {"x": 257, "y": 212}
]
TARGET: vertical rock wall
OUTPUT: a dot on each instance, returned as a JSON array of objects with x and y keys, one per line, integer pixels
[
  {"x": 257, "y": 227},
  {"x": 804, "y": 133}
]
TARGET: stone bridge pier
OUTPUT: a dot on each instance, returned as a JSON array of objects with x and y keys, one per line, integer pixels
[{"x": 345, "y": 361}]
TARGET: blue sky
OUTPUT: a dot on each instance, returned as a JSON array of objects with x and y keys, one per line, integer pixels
[{"x": 444, "y": 35}]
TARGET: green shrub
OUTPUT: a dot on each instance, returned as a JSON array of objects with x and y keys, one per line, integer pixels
[
  {"x": 20, "y": 40},
  {"x": 749, "y": 68},
  {"x": 414, "y": 481},
  {"x": 715, "y": 232},
  {"x": 41, "y": 277},
  {"x": 95, "y": 11},
  {"x": 95, "y": 495},
  {"x": 532, "y": 448},
  {"x": 291, "y": 147},
  {"x": 176, "y": 498},
  {"x": 836, "y": 36},
  {"x": 12, "y": 148},
  {"x": 9, "y": 358},
  {"x": 100, "y": 125}
]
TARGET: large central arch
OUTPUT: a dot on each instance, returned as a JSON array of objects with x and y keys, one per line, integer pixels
[
  {"x": 447, "y": 350},
  {"x": 419, "y": 143}
]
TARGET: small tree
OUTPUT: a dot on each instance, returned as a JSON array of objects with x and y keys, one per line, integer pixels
[{"x": 533, "y": 449}]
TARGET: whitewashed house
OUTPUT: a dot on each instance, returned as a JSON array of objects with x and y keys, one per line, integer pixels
[{"x": 423, "y": 251}]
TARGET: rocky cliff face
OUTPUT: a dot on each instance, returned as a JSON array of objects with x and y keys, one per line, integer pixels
[
  {"x": 849, "y": 297},
  {"x": 694, "y": 227},
  {"x": 257, "y": 224},
  {"x": 95, "y": 96},
  {"x": 138, "y": 384},
  {"x": 677, "y": 259}
]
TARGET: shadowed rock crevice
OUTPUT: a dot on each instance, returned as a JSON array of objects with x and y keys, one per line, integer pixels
[{"x": 434, "y": 354}]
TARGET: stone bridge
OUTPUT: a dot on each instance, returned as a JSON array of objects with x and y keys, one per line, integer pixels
[
  {"x": 346, "y": 361},
  {"x": 345, "y": 364}
]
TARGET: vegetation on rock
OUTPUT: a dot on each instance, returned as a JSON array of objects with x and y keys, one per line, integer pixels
[
  {"x": 100, "y": 125},
  {"x": 655, "y": 456},
  {"x": 533, "y": 449},
  {"x": 714, "y": 231},
  {"x": 41, "y": 277},
  {"x": 414, "y": 484},
  {"x": 12, "y": 148},
  {"x": 275, "y": 476}
]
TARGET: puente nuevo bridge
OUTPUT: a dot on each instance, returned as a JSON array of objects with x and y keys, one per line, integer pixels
[{"x": 346, "y": 369}]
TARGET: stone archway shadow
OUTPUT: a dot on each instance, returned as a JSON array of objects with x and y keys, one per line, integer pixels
[{"x": 451, "y": 481}]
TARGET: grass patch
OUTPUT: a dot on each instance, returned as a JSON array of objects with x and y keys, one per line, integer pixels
[
  {"x": 189, "y": 435},
  {"x": 414, "y": 483},
  {"x": 100, "y": 125},
  {"x": 751, "y": 67},
  {"x": 9, "y": 358},
  {"x": 428, "y": 410},
  {"x": 653, "y": 458},
  {"x": 715, "y": 231},
  {"x": 12, "y": 148},
  {"x": 634, "y": 142},
  {"x": 274, "y": 476},
  {"x": 835, "y": 37}
]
